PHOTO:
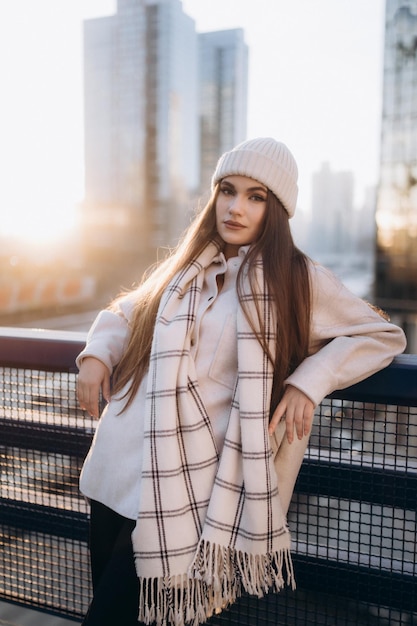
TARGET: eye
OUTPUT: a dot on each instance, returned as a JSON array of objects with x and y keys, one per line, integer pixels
[
  {"x": 227, "y": 191},
  {"x": 257, "y": 198}
]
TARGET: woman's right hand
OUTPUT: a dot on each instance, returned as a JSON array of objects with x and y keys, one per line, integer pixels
[{"x": 92, "y": 377}]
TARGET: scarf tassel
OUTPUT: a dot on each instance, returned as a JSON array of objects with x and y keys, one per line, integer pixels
[{"x": 216, "y": 579}]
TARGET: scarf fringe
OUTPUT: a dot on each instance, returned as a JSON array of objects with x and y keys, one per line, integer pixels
[{"x": 216, "y": 578}]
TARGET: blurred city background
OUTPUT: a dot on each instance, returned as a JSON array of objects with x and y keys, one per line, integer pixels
[{"x": 114, "y": 114}]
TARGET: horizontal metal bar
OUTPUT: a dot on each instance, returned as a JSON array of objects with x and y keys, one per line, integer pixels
[
  {"x": 47, "y": 350},
  {"x": 57, "y": 351},
  {"x": 396, "y": 384},
  {"x": 45, "y": 437},
  {"x": 368, "y": 484},
  {"x": 30, "y": 517},
  {"x": 375, "y": 586}
]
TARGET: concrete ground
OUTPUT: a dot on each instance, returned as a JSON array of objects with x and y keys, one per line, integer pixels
[{"x": 15, "y": 615}]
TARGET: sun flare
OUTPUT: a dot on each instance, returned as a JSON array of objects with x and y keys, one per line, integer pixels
[
  {"x": 40, "y": 225},
  {"x": 39, "y": 230}
]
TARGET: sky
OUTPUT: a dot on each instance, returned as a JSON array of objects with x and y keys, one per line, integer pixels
[{"x": 315, "y": 82}]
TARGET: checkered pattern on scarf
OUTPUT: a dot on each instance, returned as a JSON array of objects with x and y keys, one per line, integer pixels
[{"x": 207, "y": 527}]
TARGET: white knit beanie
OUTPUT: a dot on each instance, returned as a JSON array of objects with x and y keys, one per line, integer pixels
[{"x": 266, "y": 160}]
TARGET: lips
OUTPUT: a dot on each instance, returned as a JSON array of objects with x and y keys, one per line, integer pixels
[{"x": 233, "y": 225}]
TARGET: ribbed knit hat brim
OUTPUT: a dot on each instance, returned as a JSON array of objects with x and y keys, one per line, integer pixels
[{"x": 266, "y": 160}]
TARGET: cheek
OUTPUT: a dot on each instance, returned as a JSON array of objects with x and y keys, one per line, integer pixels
[
  {"x": 219, "y": 212},
  {"x": 259, "y": 219}
]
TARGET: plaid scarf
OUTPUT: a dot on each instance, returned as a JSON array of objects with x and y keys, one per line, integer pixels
[{"x": 208, "y": 527}]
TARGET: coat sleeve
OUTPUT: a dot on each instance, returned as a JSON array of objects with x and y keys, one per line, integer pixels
[
  {"x": 349, "y": 340},
  {"x": 108, "y": 337}
]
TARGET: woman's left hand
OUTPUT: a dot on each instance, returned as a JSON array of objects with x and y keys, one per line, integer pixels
[{"x": 298, "y": 410}]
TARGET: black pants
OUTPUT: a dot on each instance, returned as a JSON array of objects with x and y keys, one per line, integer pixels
[{"x": 115, "y": 584}]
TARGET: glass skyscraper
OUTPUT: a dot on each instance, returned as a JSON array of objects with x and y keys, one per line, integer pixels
[
  {"x": 114, "y": 134},
  {"x": 141, "y": 121},
  {"x": 160, "y": 100},
  {"x": 223, "y": 72},
  {"x": 396, "y": 215}
]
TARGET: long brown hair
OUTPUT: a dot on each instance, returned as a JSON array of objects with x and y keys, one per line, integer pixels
[
  {"x": 286, "y": 276},
  {"x": 285, "y": 270}
]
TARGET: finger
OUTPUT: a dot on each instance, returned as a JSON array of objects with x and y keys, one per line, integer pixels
[
  {"x": 299, "y": 425},
  {"x": 276, "y": 417},
  {"x": 289, "y": 426},
  {"x": 308, "y": 420},
  {"x": 303, "y": 420}
]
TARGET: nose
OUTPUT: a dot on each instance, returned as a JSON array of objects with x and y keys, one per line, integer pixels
[{"x": 236, "y": 205}]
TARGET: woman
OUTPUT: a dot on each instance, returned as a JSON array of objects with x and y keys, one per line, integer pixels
[{"x": 217, "y": 361}]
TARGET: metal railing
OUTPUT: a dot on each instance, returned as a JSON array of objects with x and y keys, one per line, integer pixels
[{"x": 353, "y": 516}]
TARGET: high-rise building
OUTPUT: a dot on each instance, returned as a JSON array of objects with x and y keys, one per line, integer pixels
[
  {"x": 142, "y": 154},
  {"x": 332, "y": 210},
  {"x": 114, "y": 109},
  {"x": 159, "y": 100},
  {"x": 396, "y": 216},
  {"x": 172, "y": 153},
  {"x": 223, "y": 71}
]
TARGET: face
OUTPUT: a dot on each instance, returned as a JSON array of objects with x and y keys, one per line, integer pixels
[{"x": 240, "y": 209}]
